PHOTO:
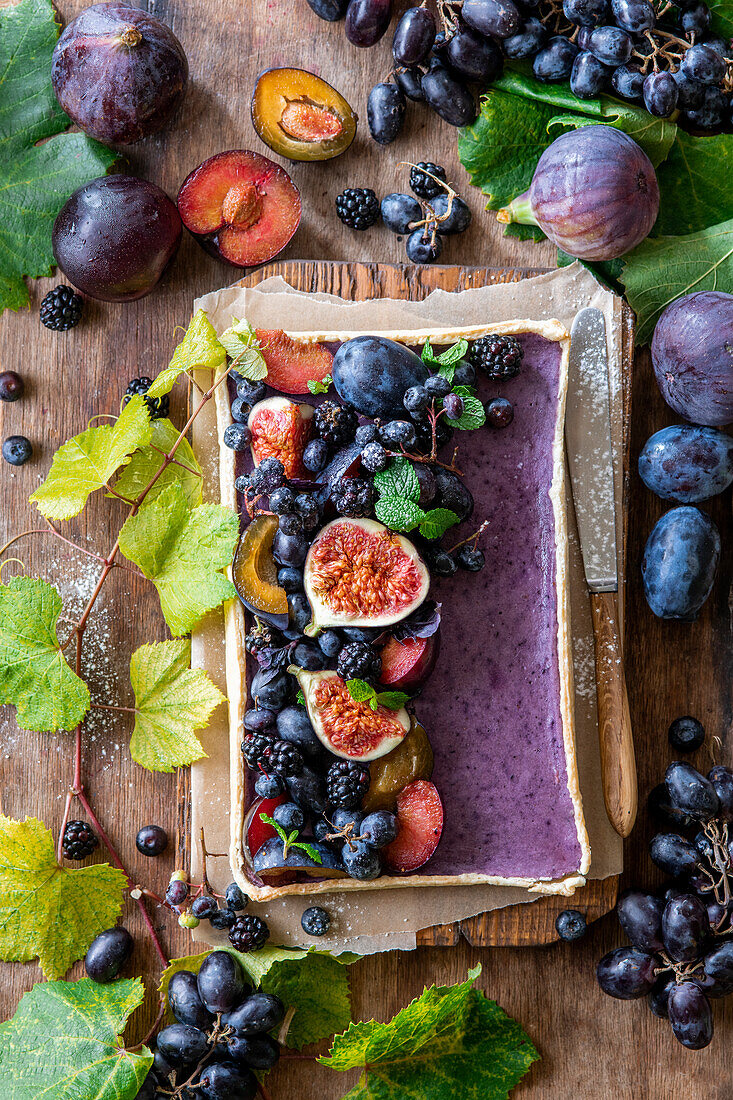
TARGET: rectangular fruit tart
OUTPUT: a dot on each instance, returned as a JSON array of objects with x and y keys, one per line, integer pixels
[{"x": 398, "y": 665}]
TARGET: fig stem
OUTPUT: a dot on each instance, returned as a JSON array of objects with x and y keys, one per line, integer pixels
[
  {"x": 518, "y": 210},
  {"x": 130, "y": 36}
]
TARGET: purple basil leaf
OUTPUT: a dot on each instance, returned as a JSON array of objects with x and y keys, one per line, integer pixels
[{"x": 423, "y": 623}]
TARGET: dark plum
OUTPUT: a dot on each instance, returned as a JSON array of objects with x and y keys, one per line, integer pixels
[
  {"x": 366, "y": 21},
  {"x": 685, "y": 927},
  {"x": 107, "y": 954},
  {"x": 294, "y": 725},
  {"x": 686, "y": 463},
  {"x": 690, "y": 792},
  {"x": 626, "y": 973},
  {"x": 472, "y": 57},
  {"x": 690, "y": 1016},
  {"x": 413, "y": 36},
  {"x": 640, "y": 916},
  {"x": 330, "y": 10},
  {"x": 118, "y": 72},
  {"x": 114, "y": 237},
  {"x": 691, "y": 357},
  {"x": 371, "y": 373},
  {"x": 594, "y": 193},
  {"x": 385, "y": 112},
  {"x": 185, "y": 1001},
  {"x": 680, "y": 562},
  {"x": 495, "y": 18},
  {"x": 221, "y": 983},
  {"x": 448, "y": 97},
  {"x": 399, "y": 210}
]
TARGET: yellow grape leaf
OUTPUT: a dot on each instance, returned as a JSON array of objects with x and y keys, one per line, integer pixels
[
  {"x": 146, "y": 462},
  {"x": 200, "y": 347},
  {"x": 48, "y": 911},
  {"x": 88, "y": 461}
]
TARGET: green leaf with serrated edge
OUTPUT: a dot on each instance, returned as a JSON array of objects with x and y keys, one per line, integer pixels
[
  {"x": 319, "y": 387},
  {"x": 605, "y": 271},
  {"x": 427, "y": 354},
  {"x": 145, "y": 463},
  {"x": 36, "y": 175},
  {"x": 89, "y": 460},
  {"x": 360, "y": 691},
  {"x": 242, "y": 346},
  {"x": 695, "y": 184},
  {"x": 290, "y": 840},
  {"x": 181, "y": 551},
  {"x": 664, "y": 268},
  {"x": 449, "y": 1042},
  {"x": 398, "y": 513},
  {"x": 392, "y": 700},
  {"x": 473, "y": 415},
  {"x": 300, "y": 698},
  {"x": 200, "y": 347},
  {"x": 722, "y": 13},
  {"x": 315, "y": 983},
  {"x": 524, "y": 232},
  {"x": 453, "y": 354},
  {"x": 447, "y": 371},
  {"x": 399, "y": 480},
  {"x": 48, "y": 911},
  {"x": 63, "y": 1043},
  {"x": 34, "y": 674},
  {"x": 437, "y": 521},
  {"x": 171, "y": 701}
]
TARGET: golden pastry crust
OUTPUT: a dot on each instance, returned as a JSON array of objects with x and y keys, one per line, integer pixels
[{"x": 235, "y": 651}]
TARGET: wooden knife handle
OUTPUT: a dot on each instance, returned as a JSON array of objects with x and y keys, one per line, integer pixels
[{"x": 618, "y": 766}]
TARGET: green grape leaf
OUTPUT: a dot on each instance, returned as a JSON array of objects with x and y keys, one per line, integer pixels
[
  {"x": 200, "y": 347},
  {"x": 171, "y": 701},
  {"x": 48, "y": 911},
  {"x": 524, "y": 232},
  {"x": 243, "y": 347},
  {"x": 314, "y": 983},
  {"x": 88, "y": 461},
  {"x": 319, "y": 387},
  {"x": 722, "y": 13},
  {"x": 398, "y": 480},
  {"x": 436, "y": 522},
  {"x": 34, "y": 674},
  {"x": 661, "y": 269},
  {"x": 145, "y": 463},
  {"x": 695, "y": 184},
  {"x": 398, "y": 513},
  {"x": 182, "y": 552},
  {"x": 36, "y": 175},
  {"x": 449, "y": 1042},
  {"x": 63, "y": 1043},
  {"x": 473, "y": 415}
]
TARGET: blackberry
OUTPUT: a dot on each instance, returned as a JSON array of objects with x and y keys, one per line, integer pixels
[
  {"x": 358, "y": 661},
  {"x": 353, "y": 496},
  {"x": 61, "y": 308},
  {"x": 268, "y": 476},
  {"x": 335, "y": 423},
  {"x": 315, "y": 921},
  {"x": 358, "y": 207},
  {"x": 423, "y": 185},
  {"x": 158, "y": 407},
  {"x": 256, "y": 749},
  {"x": 79, "y": 841},
  {"x": 346, "y": 784},
  {"x": 285, "y": 759},
  {"x": 248, "y": 933},
  {"x": 261, "y": 636},
  {"x": 499, "y": 357}
]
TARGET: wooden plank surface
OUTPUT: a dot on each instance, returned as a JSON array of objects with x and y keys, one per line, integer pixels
[{"x": 592, "y": 1047}]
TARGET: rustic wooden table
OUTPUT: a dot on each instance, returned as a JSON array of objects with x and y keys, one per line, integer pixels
[{"x": 591, "y": 1046}]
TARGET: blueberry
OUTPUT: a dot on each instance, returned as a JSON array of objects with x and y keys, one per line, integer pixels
[
  {"x": 224, "y": 918},
  {"x": 374, "y": 458},
  {"x": 315, "y": 455},
  {"x": 366, "y": 433},
  {"x": 240, "y": 410},
  {"x": 289, "y": 816},
  {"x": 437, "y": 386},
  {"x": 416, "y": 398},
  {"x": 11, "y": 386},
  {"x": 570, "y": 925},
  {"x": 464, "y": 374},
  {"x": 235, "y": 899},
  {"x": 269, "y": 786},
  {"x": 237, "y": 437},
  {"x": 321, "y": 829},
  {"x": 398, "y": 433},
  {"x": 342, "y": 818},
  {"x": 299, "y": 611},
  {"x": 379, "y": 828},
  {"x": 315, "y": 921},
  {"x": 250, "y": 391},
  {"x": 422, "y": 247},
  {"x": 360, "y": 861},
  {"x": 306, "y": 507},
  {"x": 17, "y": 450},
  {"x": 282, "y": 501},
  {"x": 290, "y": 579},
  {"x": 330, "y": 643},
  {"x": 290, "y": 524},
  {"x": 499, "y": 412},
  {"x": 686, "y": 734},
  {"x": 470, "y": 558}
]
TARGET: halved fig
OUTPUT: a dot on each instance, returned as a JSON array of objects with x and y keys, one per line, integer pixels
[
  {"x": 254, "y": 572},
  {"x": 420, "y": 818},
  {"x": 291, "y": 364},
  {"x": 346, "y": 728},
  {"x": 300, "y": 116},
  {"x": 280, "y": 429},
  {"x": 406, "y": 665},
  {"x": 269, "y": 860},
  {"x": 241, "y": 207},
  {"x": 412, "y": 759},
  {"x": 359, "y": 573}
]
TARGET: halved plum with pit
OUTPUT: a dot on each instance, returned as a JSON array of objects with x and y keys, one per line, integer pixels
[
  {"x": 241, "y": 206},
  {"x": 300, "y": 116}
]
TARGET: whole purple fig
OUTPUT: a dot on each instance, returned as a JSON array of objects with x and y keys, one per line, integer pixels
[
  {"x": 692, "y": 353},
  {"x": 594, "y": 193},
  {"x": 118, "y": 72}
]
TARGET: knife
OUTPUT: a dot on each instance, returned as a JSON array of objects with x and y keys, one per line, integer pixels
[{"x": 590, "y": 458}]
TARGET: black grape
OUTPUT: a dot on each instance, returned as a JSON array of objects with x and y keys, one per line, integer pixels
[
  {"x": 715, "y": 42},
  {"x": 696, "y": 21},
  {"x": 385, "y": 112},
  {"x": 712, "y": 112},
  {"x": 409, "y": 81},
  {"x": 588, "y": 76},
  {"x": 626, "y": 973},
  {"x": 722, "y": 781},
  {"x": 256, "y": 1051},
  {"x": 610, "y": 45},
  {"x": 659, "y": 996},
  {"x": 718, "y": 970},
  {"x": 662, "y": 809},
  {"x": 330, "y": 10},
  {"x": 635, "y": 16},
  {"x": 660, "y": 94},
  {"x": 182, "y": 1044},
  {"x": 260, "y": 1012},
  {"x": 675, "y": 855},
  {"x": 703, "y": 64},
  {"x": 555, "y": 61},
  {"x": 628, "y": 82},
  {"x": 107, "y": 954},
  {"x": 221, "y": 984},
  {"x": 685, "y": 927},
  {"x": 690, "y": 1016},
  {"x": 185, "y": 1002},
  {"x": 413, "y": 36},
  {"x": 585, "y": 13},
  {"x": 528, "y": 41},
  {"x": 472, "y": 57},
  {"x": 459, "y": 218},
  {"x": 448, "y": 98},
  {"x": 691, "y": 792},
  {"x": 226, "y": 1081},
  {"x": 498, "y": 18},
  {"x": 640, "y": 916},
  {"x": 367, "y": 20}
]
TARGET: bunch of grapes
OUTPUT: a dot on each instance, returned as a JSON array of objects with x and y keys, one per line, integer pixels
[
  {"x": 659, "y": 54},
  {"x": 681, "y": 953}
]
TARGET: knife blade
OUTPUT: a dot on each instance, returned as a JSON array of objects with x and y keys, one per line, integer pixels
[{"x": 590, "y": 459}]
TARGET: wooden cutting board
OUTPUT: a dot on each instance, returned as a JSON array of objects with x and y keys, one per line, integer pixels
[{"x": 516, "y": 925}]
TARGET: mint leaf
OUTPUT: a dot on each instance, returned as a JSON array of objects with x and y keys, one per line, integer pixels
[
  {"x": 300, "y": 698},
  {"x": 319, "y": 387},
  {"x": 695, "y": 184},
  {"x": 360, "y": 691},
  {"x": 399, "y": 480},
  {"x": 34, "y": 674},
  {"x": 449, "y": 1042},
  {"x": 428, "y": 355},
  {"x": 447, "y": 371},
  {"x": 64, "y": 1041},
  {"x": 392, "y": 700},
  {"x": 398, "y": 513},
  {"x": 241, "y": 344},
  {"x": 290, "y": 840},
  {"x": 453, "y": 354},
  {"x": 36, "y": 175},
  {"x": 436, "y": 522},
  {"x": 664, "y": 268},
  {"x": 473, "y": 415}
]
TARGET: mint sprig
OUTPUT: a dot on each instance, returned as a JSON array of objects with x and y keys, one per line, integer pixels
[
  {"x": 290, "y": 840},
  {"x": 362, "y": 692},
  {"x": 473, "y": 415},
  {"x": 319, "y": 387},
  {"x": 446, "y": 362},
  {"x": 397, "y": 507}
]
